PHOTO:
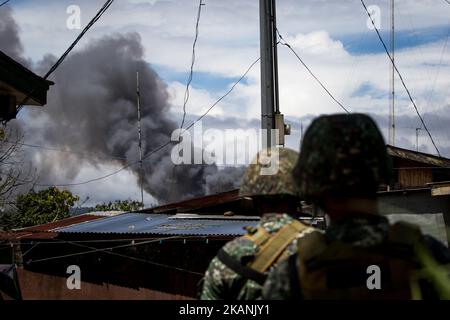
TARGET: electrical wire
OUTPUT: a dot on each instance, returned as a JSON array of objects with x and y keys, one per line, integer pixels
[
  {"x": 33, "y": 242},
  {"x": 4, "y": 3},
  {"x": 107, "y": 175},
  {"x": 284, "y": 43},
  {"x": 401, "y": 79},
  {"x": 188, "y": 83},
  {"x": 109, "y": 251},
  {"x": 224, "y": 95},
  {"x": 102, "y": 10},
  {"x": 101, "y": 249},
  {"x": 65, "y": 151},
  {"x": 191, "y": 72}
]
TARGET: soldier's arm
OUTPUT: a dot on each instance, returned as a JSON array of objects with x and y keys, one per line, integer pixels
[
  {"x": 278, "y": 283},
  {"x": 213, "y": 286}
]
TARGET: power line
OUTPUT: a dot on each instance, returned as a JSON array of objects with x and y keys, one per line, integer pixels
[
  {"x": 109, "y": 251},
  {"x": 74, "y": 43},
  {"x": 107, "y": 175},
  {"x": 310, "y": 72},
  {"x": 447, "y": 1},
  {"x": 100, "y": 249},
  {"x": 101, "y": 240},
  {"x": 401, "y": 78},
  {"x": 65, "y": 151},
  {"x": 4, "y": 3},
  {"x": 225, "y": 95},
  {"x": 164, "y": 144},
  {"x": 188, "y": 83},
  {"x": 191, "y": 72}
]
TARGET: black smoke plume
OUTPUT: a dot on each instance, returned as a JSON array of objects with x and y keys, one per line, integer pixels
[{"x": 92, "y": 109}]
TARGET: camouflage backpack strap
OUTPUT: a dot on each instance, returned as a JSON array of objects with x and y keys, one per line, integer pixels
[
  {"x": 271, "y": 250},
  {"x": 258, "y": 235},
  {"x": 244, "y": 271},
  {"x": 272, "y": 246}
]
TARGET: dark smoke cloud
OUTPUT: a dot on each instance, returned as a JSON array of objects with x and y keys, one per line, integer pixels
[
  {"x": 9, "y": 36},
  {"x": 92, "y": 108}
]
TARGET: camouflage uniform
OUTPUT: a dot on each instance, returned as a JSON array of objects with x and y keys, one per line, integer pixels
[
  {"x": 342, "y": 156},
  {"x": 221, "y": 282},
  {"x": 361, "y": 231}
]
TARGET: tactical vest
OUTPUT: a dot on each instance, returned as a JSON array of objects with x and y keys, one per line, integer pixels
[
  {"x": 337, "y": 270},
  {"x": 271, "y": 249}
]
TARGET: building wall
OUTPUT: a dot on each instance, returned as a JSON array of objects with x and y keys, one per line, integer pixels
[
  {"x": 415, "y": 202},
  {"x": 413, "y": 178},
  {"x": 38, "y": 286}
]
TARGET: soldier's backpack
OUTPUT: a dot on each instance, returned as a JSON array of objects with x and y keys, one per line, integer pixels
[
  {"x": 271, "y": 250},
  {"x": 336, "y": 270}
]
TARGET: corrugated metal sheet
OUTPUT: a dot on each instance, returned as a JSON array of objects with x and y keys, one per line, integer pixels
[
  {"x": 201, "y": 202},
  {"x": 159, "y": 224},
  {"x": 418, "y": 156},
  {"x": 27, "y": 235}
]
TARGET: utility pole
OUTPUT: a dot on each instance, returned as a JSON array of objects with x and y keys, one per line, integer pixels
[
  {"x": 271, "y": 118},
  {"x": 392, "y": 75},
  {"x": 141, "y": 178}
]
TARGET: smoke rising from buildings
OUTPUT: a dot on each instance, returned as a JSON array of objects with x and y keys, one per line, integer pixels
[{"x": 92, "y": 108}]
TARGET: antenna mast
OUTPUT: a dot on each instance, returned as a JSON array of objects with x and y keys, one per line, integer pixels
[{"x": 141, "y": 177}]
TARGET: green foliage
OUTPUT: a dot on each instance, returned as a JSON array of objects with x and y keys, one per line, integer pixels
[
  {"x": 44, "y": 206},
  {"x": 8, "y": 221},
  {"x": 120, "y": 205}
]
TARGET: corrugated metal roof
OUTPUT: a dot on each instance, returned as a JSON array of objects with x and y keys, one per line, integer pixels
[
  {"x": 159, "y": 224},
  {"x": 418, "y": 156},
  {"x": 201, "y": 202}
]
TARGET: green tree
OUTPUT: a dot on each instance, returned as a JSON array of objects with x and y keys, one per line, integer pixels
[
  {"x": 44, "y": 206},
  {"x": 120, "y": 205}
]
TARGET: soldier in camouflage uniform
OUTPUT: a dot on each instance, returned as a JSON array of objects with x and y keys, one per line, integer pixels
[
  {"x": 231, "y": 274},
  {"x": 343, "y": 162}
]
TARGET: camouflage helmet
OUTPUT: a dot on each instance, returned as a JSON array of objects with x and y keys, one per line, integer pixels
[
  {"x": 279, "y": 182},
  {"x": 342, "y": 155}
]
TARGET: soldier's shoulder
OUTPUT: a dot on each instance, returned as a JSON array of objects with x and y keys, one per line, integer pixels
[
  {"x": 273, "y": 222},
  {"x": 240, "y": 247}
]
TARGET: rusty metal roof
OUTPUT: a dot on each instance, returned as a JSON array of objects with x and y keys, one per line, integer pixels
[
  {"x": 160, "y": 224},
  {"x": 196, "y": 203},
  {"x": 63, "y": 223}
]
